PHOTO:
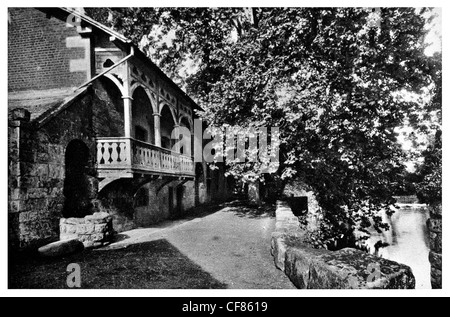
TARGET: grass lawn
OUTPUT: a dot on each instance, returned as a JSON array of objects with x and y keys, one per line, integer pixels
[{"x": 150, "y": 265}]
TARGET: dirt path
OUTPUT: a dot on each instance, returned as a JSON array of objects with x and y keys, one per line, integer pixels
[{"x": 234, "y": 247}]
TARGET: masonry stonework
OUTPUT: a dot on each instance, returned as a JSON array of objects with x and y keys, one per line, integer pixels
[
  {"x": 93, "y": 230},
  {"x": 434, "y": 225}
]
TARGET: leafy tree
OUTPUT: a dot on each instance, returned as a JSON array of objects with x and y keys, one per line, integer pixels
[{"x": 331, "y": 79}]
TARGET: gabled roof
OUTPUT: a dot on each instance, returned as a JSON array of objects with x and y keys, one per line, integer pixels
[{"x": 43, "y": 104}]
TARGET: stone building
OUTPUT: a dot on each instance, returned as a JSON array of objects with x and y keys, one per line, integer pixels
[{"x": 90, "y": 120}]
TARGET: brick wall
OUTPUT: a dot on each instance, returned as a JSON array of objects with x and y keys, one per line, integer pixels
[
  {"x": 43, "y": 53},
  {"x": 434, "y": 225}
]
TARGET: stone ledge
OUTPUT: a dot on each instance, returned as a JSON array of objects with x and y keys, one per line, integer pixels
[
  {"x": 310, "y": 268},
  {"x": 93, "y": 230}
]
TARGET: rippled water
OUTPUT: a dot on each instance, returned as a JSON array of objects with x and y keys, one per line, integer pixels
[{"x": 408, "y": 241}]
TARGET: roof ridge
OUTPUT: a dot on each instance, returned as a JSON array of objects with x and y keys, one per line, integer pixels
[{"x": 97, "y": 24}]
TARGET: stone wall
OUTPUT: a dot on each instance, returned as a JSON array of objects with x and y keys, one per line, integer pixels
[
  {"x": 37, "y": 172},
  {"x": 157, "y": 207},
  {"x": 434, "y": 225},
  {"x": 36, "y": 164},
  {"x": 310, "y": 268},
  {"x": 93, "y": 230},
  {"x": 133, "y": 204},
  {"x": 297, "y": 188}
]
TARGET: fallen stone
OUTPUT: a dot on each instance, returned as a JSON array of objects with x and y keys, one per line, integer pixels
[{"x": 60, "y": 248}]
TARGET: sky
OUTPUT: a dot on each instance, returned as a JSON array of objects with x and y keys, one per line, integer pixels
[{"x": 434, "y": 37}]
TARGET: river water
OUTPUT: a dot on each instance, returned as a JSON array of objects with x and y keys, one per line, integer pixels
[{"x": 408, "y": 241}]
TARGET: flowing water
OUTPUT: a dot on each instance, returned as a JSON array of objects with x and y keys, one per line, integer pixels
[{"x": 408, "y": 241}]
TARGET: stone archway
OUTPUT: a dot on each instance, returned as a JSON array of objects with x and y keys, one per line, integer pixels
[
  {"x": 80, "y": 189},
  {"x": 167, "y": 126}
]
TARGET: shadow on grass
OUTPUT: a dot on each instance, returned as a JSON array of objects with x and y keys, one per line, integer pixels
[{"x": 150, "y": 265}]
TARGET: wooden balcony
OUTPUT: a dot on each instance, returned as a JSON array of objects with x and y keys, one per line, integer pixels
[{"x": 124, "y": 157}]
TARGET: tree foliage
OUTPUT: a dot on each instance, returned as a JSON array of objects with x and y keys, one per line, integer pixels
[{"x": 331, "y": 79}]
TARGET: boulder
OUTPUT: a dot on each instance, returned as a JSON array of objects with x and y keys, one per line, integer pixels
[{"x": 61, "y": 248}]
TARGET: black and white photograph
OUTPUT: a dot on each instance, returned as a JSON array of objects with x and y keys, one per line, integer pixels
[{"x": 283, "y": 148}]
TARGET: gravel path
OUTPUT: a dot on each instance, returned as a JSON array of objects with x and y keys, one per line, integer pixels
[{"x": 233, "y": 247}]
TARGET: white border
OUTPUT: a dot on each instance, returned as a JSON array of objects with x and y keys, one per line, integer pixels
[{"x": 216, "y": 293}]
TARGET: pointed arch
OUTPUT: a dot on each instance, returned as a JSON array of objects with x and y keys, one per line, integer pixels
[
  {"x": 185, "y": 121},
  {"x": 142, "y": 116},
  {"x": 167, "y": 125},
  {"x": 117, "y": 82},
  {"x": 172, "y": 111},
  {"x": 152, "y": 100}
]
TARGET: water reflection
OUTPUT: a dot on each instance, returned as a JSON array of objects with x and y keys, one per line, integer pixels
[{"x": 408, "y": 241}]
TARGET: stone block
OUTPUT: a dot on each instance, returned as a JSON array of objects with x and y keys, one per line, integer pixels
[
  {"x": 279, "y": 251},
  {"x": 98, "y": 217},
  {"x": 28, "y": 216},
  {"x": 56, "y": 171},
  {"x": 15, "y": 206},
  {"x": 40, "y": 170},
  {"x": 97, "y": 237},
  {"x": 71, "y": 228},
  {"x": 75, "y": 221},
  {"x": 90, "y": 228},
  {"x": 436, "y": 242},
  {"x": 101, "y": 228},
  {"x": 61, "y": 248},
  {"x": 68, "y": 236},
  {"x": 81, "y": 229},
  {"x": 37, "y": 193},
  {"x": 38, "y": 204},
  {"x": 434, "y": 224},
  {"x": 88, "y": 244},
  {"x": 348, "y": 268},
  {"x": 17, "y": 193}
]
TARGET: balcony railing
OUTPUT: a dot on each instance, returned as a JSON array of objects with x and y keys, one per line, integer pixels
[{"x": 125, "y": 156}]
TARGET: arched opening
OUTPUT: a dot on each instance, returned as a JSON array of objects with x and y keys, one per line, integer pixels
[
  {"x": 79, "y": 189},
  {"x": 184, "y": 122},
  {"x": 167, "y": 125},
  {"x": 199, "y": 184},
  {"x": 142, "y": 114},
  {"x": 141, "y": 198},
  {"x": 110, "y": 115}
]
